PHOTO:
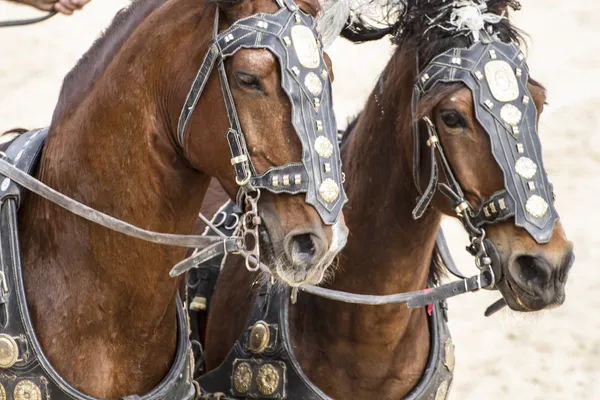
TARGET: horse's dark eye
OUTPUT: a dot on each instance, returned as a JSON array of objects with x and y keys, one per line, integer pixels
[
  {"x": 249, "y": 81},
  {"x": 453, "y": 119}
]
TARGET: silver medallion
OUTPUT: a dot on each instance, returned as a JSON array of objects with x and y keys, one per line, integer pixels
[
  {"x": 525, "y": 167},
  {"x": 313, "y": 83},
  {"x": 511, "y": 114},
  {"x": 305, "y": 45},
  {"x": 323, "y": 147},
  {"x": 501, "y": 80},
  {"x": 329, "y": 190},
  {"x": 536, "y": 206}
]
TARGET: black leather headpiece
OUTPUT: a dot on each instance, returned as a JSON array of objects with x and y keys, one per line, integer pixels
[
  {"x": 291, "y": 36},
  {"x": 497, "y": 75}
]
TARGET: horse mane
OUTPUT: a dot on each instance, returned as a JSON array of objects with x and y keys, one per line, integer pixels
[{"x": 94, "y": 62}]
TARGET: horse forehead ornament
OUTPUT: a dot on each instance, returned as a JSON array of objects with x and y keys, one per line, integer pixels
[
  {"x": 497, "y": 75},
  {"x": 292, "y": 37}
]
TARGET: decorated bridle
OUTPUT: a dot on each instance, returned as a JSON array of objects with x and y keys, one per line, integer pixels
[{"x": 291, "y": 36}]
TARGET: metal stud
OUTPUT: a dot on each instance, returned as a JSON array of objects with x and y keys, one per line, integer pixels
[
  {"x": 515, "y": 130},
  {"x": 275, "y": 181},
  {"x": 531, "y": 185},
  {"x": 493, "y": 208},
  {"x": 324, "y": 73},
  {"x": 489, "y": 104},
  {"x": 519, "y": 72},
  {"x": 229, "y": 38},
  {"x": 486, "y": 211},
  {"x": 456, "y": 60},
  {"x": 317, "y": 103},
  {"x": 298, "y": 20},
  {"x": 258, "y": 339},
  {"x": 298, "y": 179},
  {"x": 520, "y": 56},
  {"x": 319, "y": 125},
  {"x": 520, "y": 148},
  {"x": 493, "y": 54},
  {"x": 286, "y": 180},
  {"x": 502, "y": 204},
  {"x": 5, "y": 184},
  {"x": 262, "y": 24},
  {"x": 287, "y": 40},
  {"x": 296, "y": 71},
  {"x": 425, "y": 78},
  {"x": 525, "y": 99},
  {"x": 479, "y": 75},
  {"x": 327, "y": 168}
]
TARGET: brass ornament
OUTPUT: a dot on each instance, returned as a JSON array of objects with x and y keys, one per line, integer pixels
[
  {"x": 511, "y": 114},
  {"x": 329, "y": 190},
  {"x": 27, "y": 390},
  {"x": 267, "y": 379},
  {"x": 305, "y": 45},
  {"x": 313, "y": 83},
  {"x": 9, "y": 351},
  {"x": 2, "y": 392},
  {"x": 442, "y": 391},
  {"x": 242, "y": 377},
  {"x": 323, "y": 147},
  {"x": 449, "y": 355},
  {"x": 501, "y": 80},
  {"x": 536, "y": 206},
  {"x": 525, "y": 167},
  {"x": 259, "y": 337}
]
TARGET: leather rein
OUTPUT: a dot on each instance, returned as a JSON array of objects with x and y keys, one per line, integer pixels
[{"x": 23, "y": 22}]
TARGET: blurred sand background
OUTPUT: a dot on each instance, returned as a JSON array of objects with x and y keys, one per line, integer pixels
[{"x": 548, "y": 356}]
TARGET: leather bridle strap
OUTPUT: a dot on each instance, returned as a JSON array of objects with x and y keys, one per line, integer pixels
[
  {"x": 114, "y": 224},
  {"x": 23, "y": 22}
]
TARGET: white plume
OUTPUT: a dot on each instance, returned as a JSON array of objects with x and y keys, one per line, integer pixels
[
  {"x": 469, "y": 16},
  {"x": 334, "y": 14}
]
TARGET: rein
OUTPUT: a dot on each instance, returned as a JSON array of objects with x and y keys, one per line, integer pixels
[{"x": 23, "y": 22}]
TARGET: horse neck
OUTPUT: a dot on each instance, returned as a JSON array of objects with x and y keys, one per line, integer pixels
[
  {"x": 387, "y": 252},
  {"x": 114, "y": 152}
]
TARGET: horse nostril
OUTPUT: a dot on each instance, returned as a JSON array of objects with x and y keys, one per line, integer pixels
[
  {"x": 533, "y": 271},
  {"x": 303, "y": 248}
]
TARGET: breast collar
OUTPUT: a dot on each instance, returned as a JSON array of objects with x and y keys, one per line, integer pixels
[
  {"x": 262, "y": 364},
  {"x": 25, "y": 372}
]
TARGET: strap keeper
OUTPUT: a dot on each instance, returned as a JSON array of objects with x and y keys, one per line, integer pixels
[
  {"x": 461, "y": 207},
  {"x": 239, "y": 159},
  {"x": 432, "y": 141}
]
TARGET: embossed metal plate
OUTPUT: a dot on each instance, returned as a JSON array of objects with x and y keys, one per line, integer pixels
[
  {"x": 9, "y": 351},
  {"x": 27, "y": 390},
  {"x": 267, "y": 379},
  {"x": 242, "y": 377},
  {"x": 501, "y": 80},
  {"x": 305, "y": 45},
  {"x": 259, "y": 337}
]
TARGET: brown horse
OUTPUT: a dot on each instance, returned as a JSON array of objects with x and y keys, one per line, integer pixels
[
  {"x": 102, "y": 304},
  {"x": 353, "y": 351}
]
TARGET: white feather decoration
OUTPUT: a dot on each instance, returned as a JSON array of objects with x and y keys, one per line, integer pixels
[{"x": 334, "y": 14}]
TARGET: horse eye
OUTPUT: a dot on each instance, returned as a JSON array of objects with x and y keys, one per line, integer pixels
[
  {"x": 453, "y": 119},
  {"x": 248, "y": 80}
]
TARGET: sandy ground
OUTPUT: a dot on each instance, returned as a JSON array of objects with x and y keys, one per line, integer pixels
[{"x": 552, "y": 355}]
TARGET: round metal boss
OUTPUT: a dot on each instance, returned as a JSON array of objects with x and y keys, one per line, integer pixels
[
  {"x": 242, "y": 377},
  {"x": 259, "y": 337},
  {"x": 9, "y": 351},
  {"x": 27, "y": 390},
  {"x": 2, "y": 392},
  {"x": 267, "y": 379}
]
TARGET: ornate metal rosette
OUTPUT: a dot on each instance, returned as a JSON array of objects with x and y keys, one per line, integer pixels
[
  {"x": 267, "y": 379},
  {"x": 27, "y": 390},
  {"x": 313, "y": 83},
  {"x": 323, "y": 147},
  {"x": 259, "y": 337},
  {"x": 536, "y": 206},
  {"x": 449, "y": 355},
  {"x": 511, "y": 114},
  {"x": 525, "y": 167},
  {"x": 9, "y": 351},
  {"x": 242, "y": 377},
  {"x": 329, "y": 190},
  {"x": 442, "y": 391}
]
